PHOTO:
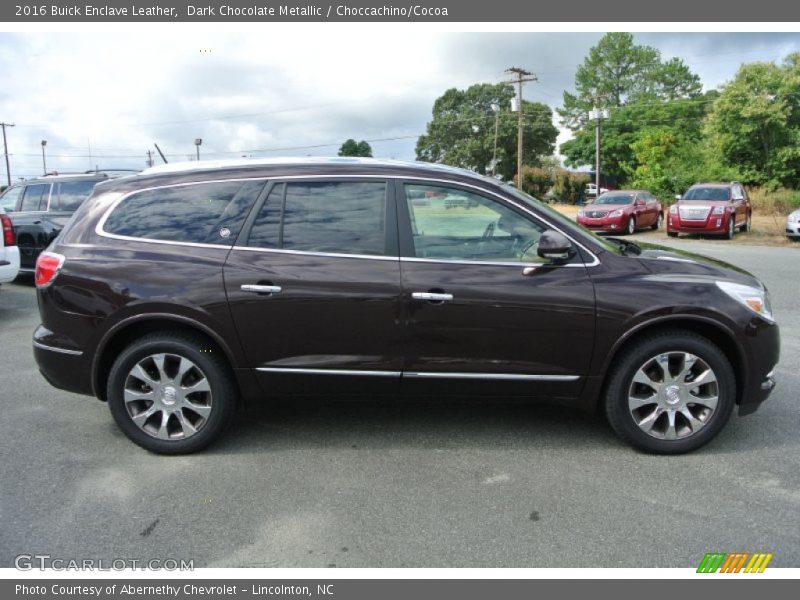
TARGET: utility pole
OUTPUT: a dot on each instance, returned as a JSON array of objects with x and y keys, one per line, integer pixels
[
  {"x": 149, "y": 158},
  {"x": 496, "y": 108},
  {"x": 164, "y": 158},
  {"x": 598, "y": 114},
  {"x": 522, "y": 76},
  {"x": 5, "y": 150}
]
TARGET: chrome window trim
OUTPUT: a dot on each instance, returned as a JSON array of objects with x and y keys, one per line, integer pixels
[
  {"x": 313, "y": 253},
  {"x": 527, "y": 210},
  {"x": 351, "y": 372},
  {"x": 59, "y": 350},
  {"x": 420, "y": 374}
]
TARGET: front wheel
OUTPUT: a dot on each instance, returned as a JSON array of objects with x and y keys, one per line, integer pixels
[
  {"x": 631, "y": 229},
  {"x": 731, "y": 228},
  {"x": 171, "y": 393},
  {"x": 670, "y": 393}
]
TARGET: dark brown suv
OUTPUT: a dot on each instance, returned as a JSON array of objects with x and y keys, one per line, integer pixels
[{"x": 175, "y": 293}]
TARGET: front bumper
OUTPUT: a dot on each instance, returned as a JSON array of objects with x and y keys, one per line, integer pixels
[
  {"x": 793, "y": 229},
  {"x": 762, "y": 353},
  {"x": 713, "y": 225},
  {"x": 603, "y": 224}
]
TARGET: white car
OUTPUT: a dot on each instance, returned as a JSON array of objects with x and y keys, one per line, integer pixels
[
  {"x": 591, "y": 190},
  {"x": 793, "y": 225},
  {"x": 9, "y": 253}
]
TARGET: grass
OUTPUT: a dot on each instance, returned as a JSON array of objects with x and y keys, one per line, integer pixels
[{"x": 778, "y": 202}]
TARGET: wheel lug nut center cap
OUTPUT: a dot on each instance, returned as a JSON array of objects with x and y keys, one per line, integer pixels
[
  {"x": 672, "y": 394},
  {"x": 169, "y": 395}
]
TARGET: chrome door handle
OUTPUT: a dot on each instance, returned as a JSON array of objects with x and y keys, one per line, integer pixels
[
  {"x": 261, "y": 289},
  {"x": 432, "y": 296}
]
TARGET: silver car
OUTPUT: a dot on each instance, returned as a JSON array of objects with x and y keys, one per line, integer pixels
[{"x": 793, "y": 225}]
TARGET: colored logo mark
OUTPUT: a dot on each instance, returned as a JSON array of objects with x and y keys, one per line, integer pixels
[{"x": 735, "y": 562}]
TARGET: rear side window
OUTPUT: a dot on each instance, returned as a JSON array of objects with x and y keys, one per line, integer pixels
[
  {"x": 71, "y": 194},
  {"x": 345, "y": 217},
  {"x": 35, "y": 197},
  {"x": 206, "y": 213},
  {"x": 10, "y": 198}
]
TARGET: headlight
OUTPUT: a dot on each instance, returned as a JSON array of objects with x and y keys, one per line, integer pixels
[
  {"x": 673, "y": 210},
  {"x": 718, "y": 210},
  {"x": 580, "y": 213},
  {"x": 753, "y": 298},
  {"x": 793, "y": 217},
  {"x": 615, "y": 213}
]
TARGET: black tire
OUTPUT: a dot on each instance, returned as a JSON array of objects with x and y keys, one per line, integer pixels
[
  {"x": 748, "y": 224},
  {"x": 615, "y": 401},
  {"x": 731, "y": 228},
  {"x": 212, "y": 366},
  {"x": 672, "y": 234},
  {"x": 631, "y": 229},
  {"x": 659, "y": 222}
]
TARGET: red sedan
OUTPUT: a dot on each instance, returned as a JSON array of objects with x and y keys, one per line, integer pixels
[{"x": 622, "y": 211}]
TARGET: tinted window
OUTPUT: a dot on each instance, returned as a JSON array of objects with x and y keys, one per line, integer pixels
[
  {"x": 210, "y": 213},
  {"x": 706, "y": 193},
  {"x": 35, "y": 197},
  {"x": 614, "y": 199},
  {"x": 340, "y": 217},
  {"x": 71, "y": 194},
  {"x": 9, "y": 199},
  {"x": 450, "y": 223}
]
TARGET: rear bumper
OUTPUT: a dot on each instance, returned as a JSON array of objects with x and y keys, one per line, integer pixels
[
  {"x": 64, "y": 367},
  {"x": 9, "y": 263}
]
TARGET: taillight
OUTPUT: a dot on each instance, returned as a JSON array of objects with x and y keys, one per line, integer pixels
[
  {"x": 9, "y": 237},
  {"x": 47, "y": 267}
]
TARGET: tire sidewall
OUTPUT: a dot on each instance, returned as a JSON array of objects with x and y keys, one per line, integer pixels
[
  {"x": 218, "y": 379},
  {"x": 631, "y": 226},
  {"x": 617, "y": 392}
]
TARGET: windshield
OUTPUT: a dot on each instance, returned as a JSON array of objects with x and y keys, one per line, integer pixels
[
  {"x": 615, "y": 199},
  {"x": 707, "y": 193},
  {"x": 569, "y": 225}
]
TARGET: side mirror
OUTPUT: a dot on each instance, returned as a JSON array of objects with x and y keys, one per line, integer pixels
[
  {"x": 640, "y": 202},
  {"x": 555, "y": 248}
]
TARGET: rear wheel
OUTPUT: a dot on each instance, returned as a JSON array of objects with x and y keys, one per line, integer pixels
[
  {"x": 659, "y": 222},
  {"x": 670, "y": 393},
  {"x": 631, "y": 229},
  {"x": 170, "y": 393},
  {"x": 748, "y": 224}
]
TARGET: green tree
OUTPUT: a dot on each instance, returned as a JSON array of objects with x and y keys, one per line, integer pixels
[
  {"x": 639, "y": 89},
  {"x": 462, "y": 130},
  {"x": 354, "y": 148},
  {"x": 536, "y": 181},
  {"x": 755, "y": 123}
]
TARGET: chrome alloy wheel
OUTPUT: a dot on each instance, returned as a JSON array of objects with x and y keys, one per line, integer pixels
[
  {"x": 673, "y": 395},
  {"x": 167, "y": 396}
]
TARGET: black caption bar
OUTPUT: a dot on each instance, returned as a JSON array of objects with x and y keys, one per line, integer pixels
[
  {"x": 400, "y": 11},
  {"x": 386, "y": 589}
]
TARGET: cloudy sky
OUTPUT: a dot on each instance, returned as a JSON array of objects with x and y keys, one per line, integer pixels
[{"x": 105, "y": 99}]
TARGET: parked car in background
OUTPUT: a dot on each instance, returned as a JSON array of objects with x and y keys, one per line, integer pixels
[
  {"x": 591, "y": 191},
  {"x": 793, "y": 225},
  {"x": 40, "y": 207},
  {"x": 624, "y": 211},
  {"x": 176, "y": 293},
  {"x": 9, "y": 253},
  {"x": 711, "y": 209}
]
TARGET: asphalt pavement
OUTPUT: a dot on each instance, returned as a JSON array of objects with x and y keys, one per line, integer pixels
[{"x": 391, "y": 485}]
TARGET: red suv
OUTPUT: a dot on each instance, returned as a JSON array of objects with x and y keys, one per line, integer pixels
[
  {"x": 622, "y": 211},
  {"x": 711, "y": 208}
]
